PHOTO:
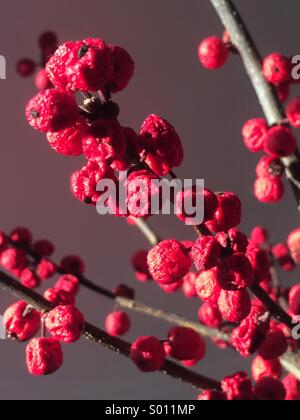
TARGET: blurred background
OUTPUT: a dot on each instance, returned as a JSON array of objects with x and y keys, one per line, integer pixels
[{"x": 207, "y": 109}]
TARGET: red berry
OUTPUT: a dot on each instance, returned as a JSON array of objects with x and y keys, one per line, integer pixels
[
  {"x": 234, "y": 240},
  {"x": 68, "y": 283},
  {"x": 283, "y": 91},
  {"x": 59, "y": 297},
  {"x": 234, "y": 306},
  {"x": 259, "y": 236},
  {"x": 140, "y": 265},
  {"x": 292, "y": 388},
  {"x": 293, "y": 112},
  {"x": 228, "y": 215},
  {"x": 161, "y": 145},
  {"x": 48, "y": 39},
  {"x": 282, "y": 255},
  {"x": 191, "y": 196},
  {"x": 26, "y": 67},
  {"x": 52, "y": 110},
  {"x": 261, "y": 262},
  {"x": 269, "y": 166},
  {"x": 269, "y": 389},
  {"x": 254, "y": 132},
  {"x": 277, "y": 69},
  {"x": 294, "y": 245},
  {"x": 43, "y": 248},
  {"x": 43, "y": 356},
  {"x": 207, "y": 286},
  {"x": 235, "y": 272},
  {"x": 210, "y": 316},
  {"x": 13, "y": 259},
  {"x": 41, "y": 81},
  {"x": 268, "y": 190},
  {"x": 117, "y": 324},
  {"x": 123, "y": 69},
  {"x": 168, "y": 262},
  {"x": 72, "y": 264},
  {"x": 275, "y": 345},
  {"x": 185, "y": 344},
  {"x": 280, "y": 142},
  {"x": 212, "y": 396},
  {"x": 3, "y": 241},
  {"x": 189, "y": 285},
  {"x": 238, "y": 387},
  {"x": 148, "y": 354},
  {"x": 69, "y": 141},
  {"x": 266, "y": 368},
  {"x": 21, "y": 236},
  {"x": 140, "y": 193},
  {"x": 294, "y": 299},
  {"x": 65, "y": 323},
  {"x": 172, "y": 288},
  {"x": 21, "y": 321},
  {"x": 46, "y": 269},
  {"x": 30, "y": 279},
  {"x": 213, "y": 53},
  {"x": 124, "y": 291},
  {"x": 206, "y": 253}
]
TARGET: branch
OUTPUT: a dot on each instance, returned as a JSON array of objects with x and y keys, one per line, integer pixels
[{"x": 266, "y": 94}]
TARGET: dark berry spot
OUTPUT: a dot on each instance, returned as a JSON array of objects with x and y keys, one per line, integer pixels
[
  {"x": 87, "y": 200},
  {"x": 276, "y": 168},
  {"x": 83, "y": 50},
  {"x": 35, "y": 113}
]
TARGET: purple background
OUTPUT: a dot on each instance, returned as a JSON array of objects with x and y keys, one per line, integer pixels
[{"x": 207, "y": 109}]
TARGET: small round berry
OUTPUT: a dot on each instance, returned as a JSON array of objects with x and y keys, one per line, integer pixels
[
  {"x": 283, "y": 92},
  {"x": 293, "y": 112},
  {"x": 140, "y": 193},
  {"x": 212, "y": 396},
  {"x": 14, "y": 258},
  {"x": 238, "y": 387},
  {"x": 68, "y": 283},
  {"x": 191, "y": 196},
  {"x": 124, "y": 291},
  {"x": 234, "y": 306},
  {"x": 233, "y": 241},
  {"x": 210, "y": 316},
  {"x": 282, "y": 255},
  {"x": 3, "y": 241},
  {"x": 168, "y": 262},
  {"x": 206, "y": 253},
  {"x": 140, "y": 265},
  {"x": 26, "y": 67},
  {"x": 46, "y": 269},
  {"x": 292, "y": 388},
  {"x": 41, "y": 80},
  {"x": 21, "y": 321},
  {"x": 277, "y": 69},
  {"x": 207, "y": 286},
  {"x": 123, "y": 69},
  {"x": 280, "y": 142},
  {"x": 269, "y": 166},
  {"x": 52, "y": 110},
  {"x": 185, "y": 344},
  {"x": 269, "y": 389},
  {"x": 274, "y": 346},
  {"x": 189, "y": 285},
  {"x": 30, "y": 279},
  {"x": 43, "y": 248},
  {"x": 268, "y": 190},
  {"x": 72, "y": 264},
  {"x": 228, "y": 214},
  {"x": 171, "y": 288},
  {"x": 254, "y": 132},
  {"x": 59, "y": 297},
  {"x": 48, "y": 39},
  {"x": 235, "y": 272},
  {"x": 68, "y": 142},
  {"x": 213, "y": 53},
  {"x": 293, "y": 243},
  {"x": 44, "y": 356},
  {"x": 259, "y": 236},
  {"x": 117, "y": 324},
  {"x": 21, "y": 236},
  {"x": 65, "y": 323},
  {"x": 294, "y": 299},
  {"x": 261, "y": 262},
  {"x": 160, "y": 145},
  {"x": 148, "y": 354},
  {"x": 266, "y": 368}
]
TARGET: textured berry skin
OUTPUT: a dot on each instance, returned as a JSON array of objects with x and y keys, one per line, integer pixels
[
  {"x": 52, "y": 110},
  {"x": 277, "y": 69},
  {"x": 59, "y": 297},
  {"x": 210, "y": 316},
  {"x": 269, "y": 166},
  {"x": 261, "y": 262},
  {"x": 234, "y": 239},
  {"x": 274, "y": 346},
  {"x": 41, "y": 80},
  {"x": 43, "y": 248},
  {"x": 171, "y": 288},
  {"x": 213, "y": 53},
  {"x": 293, "y": 112},
  {"x": 292, "y": 388},
  {"x": 148, "y": 354},
  {"x": 168, "y": 262},
  {"x": 140, "y": 266},
  {"x": 282, "y": 255},
  {"x": 21, "y": 236},
  {"x": 185, "y": 344},
  {"x": 68, "y": 142},
  {"x": 235, "y": 273},
  {"x": 189, "y": 285},
  {"x": 84, "y": 182},
  {"x": 254, "y": 132},
  {"x": 21, "y": 321},
  {"x": 228, "y": 214},
  {"x": 44, "y": 356},
  {"x": 190, "y": 196},
  {"x": 259, "y": 236},
  {"x": 266, "y": 368},
  {"x": 207, "y": 286},
  {"x": 105, "y": 141},
  {"x": 122, "y": 290},
  {"x": 294, "y": 299},
  {"x": 280, "y": 142},
  {"x": 26, "y": 67},
  {"x": 72, "y": 264},
  {"x": 46, "y": 269},
  {"x": 117, "y": 324},
  {"x": 68, "y": 283},
  {"x": 269, "y": 389},
  {"x": 268, "y": 190},
  {"x": 123, "y": 69},
  {"x": 234, "y": 306},
  {"x": 140, "y": 192},
  {"x": 29, "y": 279},
  {"x": 205, "y": 253},
  {"x": 14, "y": 258},
  {"x": 161, "y": 145},
  {"x": 65, "y": 324},
  {"x": 294, "y": 245},
  {"x": 212, "y": 396},
  {"x": 238, "y": 387}
]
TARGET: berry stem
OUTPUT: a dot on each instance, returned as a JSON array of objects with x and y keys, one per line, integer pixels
[
  {"x": 147, "y": 230},
  {"x": 266, "y": 94},
  {"x": 98, "y": 336}
]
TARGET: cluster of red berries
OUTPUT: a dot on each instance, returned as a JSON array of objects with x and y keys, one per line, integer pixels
[{"x": 26, "y": 67}]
